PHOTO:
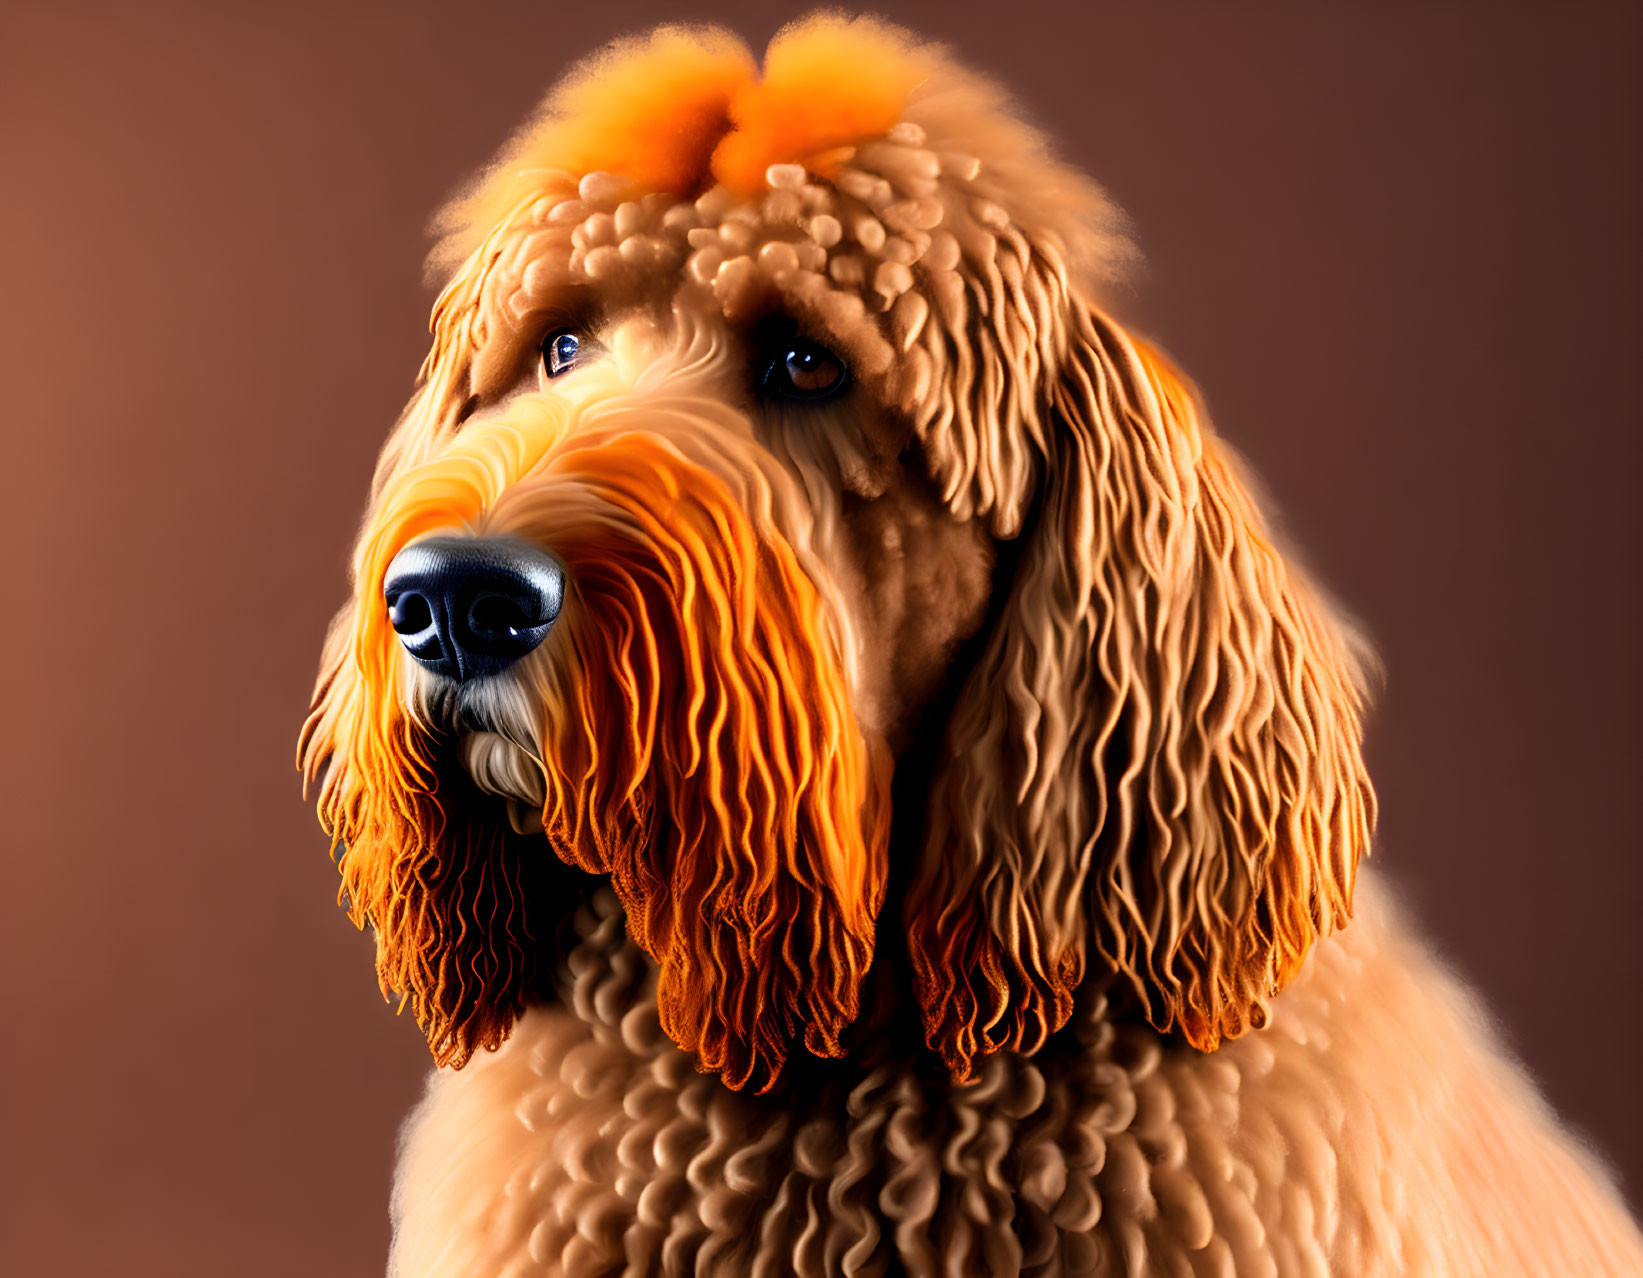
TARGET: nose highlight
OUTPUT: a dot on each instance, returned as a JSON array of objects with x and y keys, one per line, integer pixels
[{"x": 466, "y": 607}]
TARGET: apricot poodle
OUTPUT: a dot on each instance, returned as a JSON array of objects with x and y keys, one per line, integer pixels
[{"x": 833, "y": 759}]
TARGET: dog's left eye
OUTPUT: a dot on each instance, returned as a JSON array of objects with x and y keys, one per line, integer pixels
[
  {"x": 804, "y": 370},
  {"x": 559, "y": 352}
]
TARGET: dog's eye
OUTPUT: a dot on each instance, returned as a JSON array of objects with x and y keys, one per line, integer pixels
[
  {"x": 804, "y": 370},
  {"x": 559, "y": 351}
]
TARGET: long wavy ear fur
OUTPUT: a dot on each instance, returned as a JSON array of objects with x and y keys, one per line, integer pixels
[
  {"x": 1157, "y": 753},
  {"x": 700, "y": 748}
]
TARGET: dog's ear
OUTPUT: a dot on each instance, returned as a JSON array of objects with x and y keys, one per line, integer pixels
[
  {"x": 717, "y": 773},
  {"x": 1154, "y": 766}
]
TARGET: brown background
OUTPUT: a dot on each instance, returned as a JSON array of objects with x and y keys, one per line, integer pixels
[{"x": 1397, "y": 245}]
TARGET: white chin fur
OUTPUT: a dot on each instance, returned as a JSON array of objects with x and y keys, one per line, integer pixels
[
  {"x": 500, "y": 767},
  {"x": 501, "y": 754}
]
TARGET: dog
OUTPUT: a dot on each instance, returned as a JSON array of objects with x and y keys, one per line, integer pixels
[{"x": 833, "y": 759}]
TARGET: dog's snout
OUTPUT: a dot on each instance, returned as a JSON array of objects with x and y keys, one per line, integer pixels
[{"x": 466, "y": 607}]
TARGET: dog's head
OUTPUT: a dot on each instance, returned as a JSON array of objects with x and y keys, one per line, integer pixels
[{"x": 766, "y": 411}]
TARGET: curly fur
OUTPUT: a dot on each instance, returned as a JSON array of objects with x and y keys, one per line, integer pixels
[
  {"x": 981, "y": 689},
  {"x": 1371, "y": 1129}
]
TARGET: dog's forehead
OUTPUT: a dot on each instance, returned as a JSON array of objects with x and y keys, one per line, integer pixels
[
  {"x": 857, "y": 159},
  {"x": 836, "y": 257}
]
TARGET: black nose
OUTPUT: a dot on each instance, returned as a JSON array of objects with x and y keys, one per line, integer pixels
[{"x": 466, "y": 607}]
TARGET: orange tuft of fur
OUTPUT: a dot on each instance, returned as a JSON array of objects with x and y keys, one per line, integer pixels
[
  {"x": 685, "y": 107},
  {"x": 652, "y": 112},
  {"x": 827, "y": 85}
]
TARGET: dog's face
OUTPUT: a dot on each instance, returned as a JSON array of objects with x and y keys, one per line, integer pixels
[{"x": 751, "y": 401}]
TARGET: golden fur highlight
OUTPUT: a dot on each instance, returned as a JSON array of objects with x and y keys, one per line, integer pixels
[{"x": 696, "y": 744}]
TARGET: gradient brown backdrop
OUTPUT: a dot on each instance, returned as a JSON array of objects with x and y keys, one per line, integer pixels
[{"x": 1397, "y": 246}]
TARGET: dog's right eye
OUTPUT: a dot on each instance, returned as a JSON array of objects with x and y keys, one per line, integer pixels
[
  {"x": 803, "y": 370},
  {"x": 559, "y": 352}
]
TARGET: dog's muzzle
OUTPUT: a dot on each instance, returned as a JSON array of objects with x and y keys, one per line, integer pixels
[{"x": 467, "y": 607}]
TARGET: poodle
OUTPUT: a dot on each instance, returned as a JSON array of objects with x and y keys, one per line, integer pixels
[{"x": 833, "y": 759}]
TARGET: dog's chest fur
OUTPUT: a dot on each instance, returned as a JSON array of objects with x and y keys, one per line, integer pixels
[{"x": 1323, "y": 1144}]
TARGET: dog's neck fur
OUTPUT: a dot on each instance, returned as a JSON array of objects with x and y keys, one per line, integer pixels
[{"x": 589, "y": 1144}]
